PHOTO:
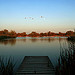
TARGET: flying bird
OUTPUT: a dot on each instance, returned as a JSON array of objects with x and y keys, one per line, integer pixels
[
  {"x": 32, "y": 18},
  {"x": 29, "y": 18},
  {"x": 25, "y": 18},
  {"x": 41, "y": 17}
]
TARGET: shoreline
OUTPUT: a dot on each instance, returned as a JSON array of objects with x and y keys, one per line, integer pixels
[
  {"x": 42, "y": 36},
  {"x": 6, "y": 37}
]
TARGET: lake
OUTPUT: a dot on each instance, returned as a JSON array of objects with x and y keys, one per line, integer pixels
[{"x": 32, "y": 46}]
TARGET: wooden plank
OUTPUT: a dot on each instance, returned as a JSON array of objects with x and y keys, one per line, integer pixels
[{"x": 36, "y": 65}]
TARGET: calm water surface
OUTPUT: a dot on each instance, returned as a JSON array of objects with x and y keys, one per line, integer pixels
[{"x": 27, "y": 46}]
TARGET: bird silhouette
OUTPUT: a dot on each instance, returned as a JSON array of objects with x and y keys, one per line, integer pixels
[
  {"x": 32, "y": 18},
  {"x": 41, "y": 17},
  {"x": 25, "y": 18}
]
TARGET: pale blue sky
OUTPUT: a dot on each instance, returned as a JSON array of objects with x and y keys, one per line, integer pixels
[{"x": 58, "y": 15}]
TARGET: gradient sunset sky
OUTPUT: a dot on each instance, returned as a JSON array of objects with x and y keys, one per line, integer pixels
[{"x": 48, "y": 15}]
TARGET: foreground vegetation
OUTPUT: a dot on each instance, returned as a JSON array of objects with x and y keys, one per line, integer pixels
[
  {"x": 7, "y": 66},
  {"x": 66, "y": 61},
  {"x": 71, "y": 38}
]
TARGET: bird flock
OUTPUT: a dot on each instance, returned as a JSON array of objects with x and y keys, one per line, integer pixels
[{"x": 32, "y": 17}]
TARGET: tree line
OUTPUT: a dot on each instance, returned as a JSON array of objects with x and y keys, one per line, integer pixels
[{"x": 12, "y": 33}]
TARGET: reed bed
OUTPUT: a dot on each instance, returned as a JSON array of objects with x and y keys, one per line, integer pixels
[
  {"x": 66, "y": 61},
  {"x": 7, "y": 66}
]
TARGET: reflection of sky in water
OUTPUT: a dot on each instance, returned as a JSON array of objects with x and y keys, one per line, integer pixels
[{"x": 26, "y": 46}]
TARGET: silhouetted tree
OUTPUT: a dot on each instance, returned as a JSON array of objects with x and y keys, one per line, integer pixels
[
  {"x": 49, "y": 33},
  {"x": 5, "y": 31},
  {"x": 41, "y": 34},
  {"x": 69, "y": 33},
  {"x": 34, "y": 34},
  {"x": 23, "y": 34},
  {"x": 12, "y": 32}
]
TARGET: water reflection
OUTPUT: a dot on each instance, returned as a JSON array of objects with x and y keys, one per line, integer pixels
[
  {"x": 66, "y": 61},
  {"x": 27, "y": 46},
  {"x": 12, "y": 42},
  {"x": 22, "y": 40},
  {"x": 6, "y": 42}
]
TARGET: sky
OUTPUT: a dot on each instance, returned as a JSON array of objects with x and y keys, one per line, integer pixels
[{"x": 37, "y": 15}]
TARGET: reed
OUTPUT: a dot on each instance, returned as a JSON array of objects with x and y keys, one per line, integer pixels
[
  {"x": 7, "y": 66},
  {"x": 66, "y": 61}
]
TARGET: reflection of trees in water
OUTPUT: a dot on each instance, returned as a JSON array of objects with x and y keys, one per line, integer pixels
[
  {"x": 66, "y": 61},
  {"x": 13, "y": 41},
  {"x": 33, "y": 40},
  {"x": 46, "y": 39},
  {"x": 52, "y": 39},
  {"x": 6, "y": 42},
  {"x": 60, "y": 39},
  {"x": 41, "y": 39},
  {"x": 23, "y": 40}
]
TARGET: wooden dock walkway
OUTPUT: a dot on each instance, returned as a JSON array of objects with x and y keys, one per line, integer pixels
[{"x": 36, "y": 65}]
